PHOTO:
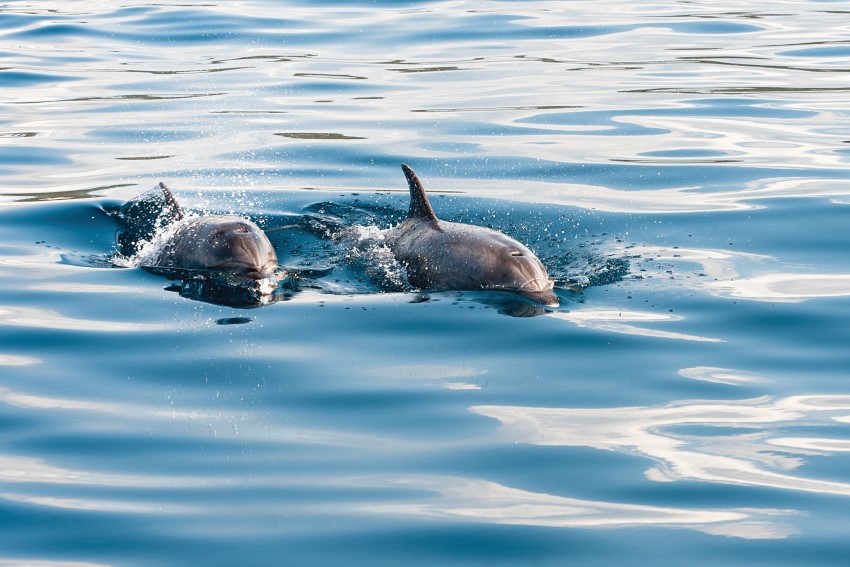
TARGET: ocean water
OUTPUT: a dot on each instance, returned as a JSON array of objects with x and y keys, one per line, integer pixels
[{"x": 680, "y": 167}]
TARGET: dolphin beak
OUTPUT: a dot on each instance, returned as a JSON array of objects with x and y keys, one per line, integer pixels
[
  {"x": 267, "y": 272},
  {"x": 546, "y": 297},
  {"x": 542, "y": 294}
]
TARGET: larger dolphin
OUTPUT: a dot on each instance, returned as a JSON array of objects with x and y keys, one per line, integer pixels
[{"x": 440, "y": 255}]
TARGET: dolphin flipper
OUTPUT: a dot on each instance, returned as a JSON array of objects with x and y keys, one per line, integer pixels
[{"x": 419, "y": 205}]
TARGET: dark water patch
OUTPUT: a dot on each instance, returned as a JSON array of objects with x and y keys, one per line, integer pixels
[
  {"x": 685, "y": 153},
  {"x": 133, "y": 97},
  {"x": 330, "y": 76},
  {"x": 318, "y": 136},
  {"x": 58, "y": 30},
  {"x": 497, "y": 108},
  {"x": 68, "y": 224},
  {"x": 303, "y": 86},
  {"x": 22, "y": 79},
  {"x": 726, "y": 107},
  {"x": 187, "y": 71},
  {"x": 222, "y": 289},
  {"x": 143, "y": 158},
  {"x": 65, "y": 195},
  {"x": 249, "y": 112},
  {"x": 742, "y": 90},
  {"x": 828, "y": 51},
  {"x": 428, "y": 69},
  {"x": 22, "y": 156},
  {"x": 18, "y": 134},
  {"x": 233, "y": 321},
  {"x": 715, "y": 28}
]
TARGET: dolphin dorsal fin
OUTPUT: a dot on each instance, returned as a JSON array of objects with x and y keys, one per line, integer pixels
[
  {"x": 419, "y": 205},
  {"x": 171, "y": 202}
]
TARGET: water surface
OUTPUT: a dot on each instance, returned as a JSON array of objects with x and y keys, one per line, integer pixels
[{"x": 680, "y": 168}]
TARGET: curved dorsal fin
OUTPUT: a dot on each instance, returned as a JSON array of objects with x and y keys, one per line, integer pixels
[
  {"x": 419, "y": 205},
  {"x": 171, "y": 202}
]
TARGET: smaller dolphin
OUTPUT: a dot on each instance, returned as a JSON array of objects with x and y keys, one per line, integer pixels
[
  {"x": 442, "y": 255},
  {"x": 220, "y": 243}
]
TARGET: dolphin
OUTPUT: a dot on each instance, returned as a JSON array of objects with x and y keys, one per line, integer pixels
[
  {"x": 218, "y": 243},
  {"x": 440, "y": 255}
]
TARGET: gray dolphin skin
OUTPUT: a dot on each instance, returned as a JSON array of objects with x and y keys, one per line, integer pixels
[
  {"x": 225, "y": 243},
  {"x": 440, "y": 255}
]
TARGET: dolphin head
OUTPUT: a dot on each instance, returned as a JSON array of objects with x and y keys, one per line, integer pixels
[
  {"x": 510, "y": 266},
  {"x": 223, "y": 243},
  {"x": 460, "y": 256}
]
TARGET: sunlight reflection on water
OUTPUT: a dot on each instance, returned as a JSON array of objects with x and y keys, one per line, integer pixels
[
  {"x": 620, "y": 322},
  {"x": 688, "y": 160},
  {"x": 49, "y": 319},
  {"x": 745, "y": 458},
  {"x": 482, "y": 501}
]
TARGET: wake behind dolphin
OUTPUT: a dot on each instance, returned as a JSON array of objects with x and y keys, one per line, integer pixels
[{"x": 441, "y": 255}]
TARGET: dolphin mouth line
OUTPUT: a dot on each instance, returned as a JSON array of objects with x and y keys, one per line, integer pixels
[
  {"x": 541, "y": 296},
  {"x": 545, "y": 296},
  {"x": 534, "y": 280},
  {"x": 245, "y": 269}
]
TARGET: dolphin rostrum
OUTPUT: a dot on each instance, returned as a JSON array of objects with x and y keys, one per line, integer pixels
[
  {"x": 218, "y": 243},
  {"x": 440, "y": 255}
]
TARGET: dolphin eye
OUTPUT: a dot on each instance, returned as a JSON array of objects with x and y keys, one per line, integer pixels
[{"x": 516, "y": 253}]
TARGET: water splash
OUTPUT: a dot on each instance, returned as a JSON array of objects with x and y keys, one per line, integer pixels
[{"x": 366, "y": 250}]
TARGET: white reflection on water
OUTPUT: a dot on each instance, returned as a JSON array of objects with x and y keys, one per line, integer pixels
[
  {"x": 619, "y": 322},
  {"x": 482, "y": 501},
  {"x": 750, "y": 455},
  {"x": 48, "y": 319},
  {"x": 96, "y": 505},
  {"x": 720, "y": 375},
  {"x": 201, "y": 422},
  {"x": 43, "y": 265},
  {"x": 12, "y": 562},
  {"x": 665, "y": 200},
  {"x": 785, "y": 287},
  {"x": 30, "y": 401},
  {"x": 74, "y": 287},
  {"x": 16, "y": 360},
  {"x": 18, "y": 469},
  {"x": 716, "y": 264},
  {"x": 723, "y": 273},
  {"x": 442, "y": 373},
  {"x": 458, "y": 499}
]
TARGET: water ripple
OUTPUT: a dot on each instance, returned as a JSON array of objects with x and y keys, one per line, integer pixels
[
  {"x": 482, "y": 501},
  {"x": 746, "y": 456},
  {"x": 681, "y": 168}
]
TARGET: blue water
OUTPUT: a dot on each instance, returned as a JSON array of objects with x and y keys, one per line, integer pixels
[{"x": 681, "y": 169}]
